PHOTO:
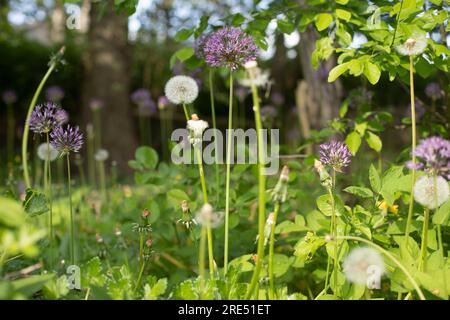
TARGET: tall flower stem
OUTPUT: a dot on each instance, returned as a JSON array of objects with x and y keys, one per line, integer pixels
[
  {"x": 261, "y": 191},
  {"x": 391, "y": 257},
  {"x": 216, "y": 147},
  {"x": 439, "y": 231},
  {"x": 10, "y": 132},
  {"x": 271, "y": 251},
  {"x": 48, "y": 187},
  {"x": 334, "y": 228},
  {"x": 186, "y": 111},
  {"x": 141, "y": 250},
  {"x": 228, "y": 175},
  {"x": 98, "y": 130},
  {"x": 141, "y": 272},
  {"x": 26, "y": 130},
  {"x": 90, "y": 156},
  {"x": 413, "y": 149},
  {"x": 424, "y": 244},
  {"x": 102, "y": 178},
  {"x": 72, "y": 228}
]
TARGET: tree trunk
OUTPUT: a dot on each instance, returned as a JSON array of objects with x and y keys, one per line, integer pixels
[{"x": 107, "y": 78}]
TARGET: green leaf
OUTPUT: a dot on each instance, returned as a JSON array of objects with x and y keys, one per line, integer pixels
[
  {"x": 35, "y": 203},
  {"x": 323, "y": 20},
  {"x": 32, "y": 284},
  {"x": 372, "y": 72},
  {"x": 183, "y": 34},
  {"x": 305, "y": 248},
  {"x": 154, "y": 289},
  {"x": 337, "y": 71},
  {"x": 286, "y": 26},
  {"x": 374, "y": 141},
  {"x": 11, "y": 212},
  {"x": 175, "y": 196},
  {"x": 281, "y": 264},
  {"x": 147, "y": 157},
  {"x": 325, "y": 206},
  {"x": 343, "y": 2},
  {"x": 343, "y": 14},
  {"x": 353, "y": 142},
  {"x": 359, "y": 191},
  {"x": 237, "y": 19},
  {"x": 183, "y": 54},
  {"x": 374, "y": 178},
  {"x": 442, "y": 214}
]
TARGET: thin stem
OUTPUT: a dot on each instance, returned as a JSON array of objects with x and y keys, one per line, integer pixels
[
  {"x": 186, "y": 112},
  {"x": 91, "y": 157},
  {"x": 391, "y": 257},
  {"x": 98, "y": 130},
  {"x": 141, "y": 249},
  {"x": 271, "y": 251},
  {"x": 201, "y": 256},
  {"x": 141, "y": 272},
  {"x": 10, "y": 132},
  {"x": 413, "y": 149},
  {"x": 102, "y": 176},
  {"x": 397, "y": 22},
  {"x": 26, "y": 130},
  {"x": 423, "y": 248},
  {"x": 48, "y": 184},
  {"x": 216, "y": 147},
  {"x": 261, "y": 190},
  {"x": 228, "y": 175},
  {"x": 72, "y": 229}
]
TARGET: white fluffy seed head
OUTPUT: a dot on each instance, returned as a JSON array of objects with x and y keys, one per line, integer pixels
[
  {"x": 196, "y": 128},
  {"x": 101, "y": 155},
  {"x": 45, "y": 151},
  {"x": 413, "y": 46},
  {"x": 208, "y": 217},
  {"x": 181, "y": 90},
  {"x": 429, "y": 195},
  {"x": 259, "y": 78},
  {"x": 360, "y": 263}
]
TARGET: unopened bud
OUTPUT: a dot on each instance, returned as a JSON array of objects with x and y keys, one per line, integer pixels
[
  {"x": 145, "y": 213},
  {"x": 184, "y": 206}
]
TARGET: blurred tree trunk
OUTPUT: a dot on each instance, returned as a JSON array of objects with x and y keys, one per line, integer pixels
[
  {"x": 58, "y": 23},
  {"x": 107, "y": 78}
]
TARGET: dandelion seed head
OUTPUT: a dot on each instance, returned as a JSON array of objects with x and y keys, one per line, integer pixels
[
  {"x": 429, "y": 195},
  {"x": 359, "y": 262},
  {"x": 181, "y": 90},
  {"x": 259, "y": 77},
  {"x": 45, "y": 151},
  {"x": 101, "y": 155},
  {"x": 206, "y": 216},
  {"x": 413, "y": 46}
]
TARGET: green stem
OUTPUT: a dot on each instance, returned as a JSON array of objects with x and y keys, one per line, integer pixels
[
  {"x": 391, "y": 257},
  {"x": 91, "y": 157},
  {"x": 216, "y": 147},
  {"x": 48, "y": 184},
  {"x": 186, "y": 112},
  {"x": 98, "y": 130},
  {"x": 201, "y": 256},
  {"x": 141, "y": 250},
  {"x": 334, "y": 232},
  {"x": 261, "y": 191},
  {"x": 413, "y": 149},
  {"x": 72, "y": 228},
  {"x": 228, "y": 174},
  {"x": 26, "y": 130},
  {"x": 102, "y": 176},
  {"x": 271, "y": 251},
  {"x": 423, "y": 248},
  {"x": 141, "y": 272}
]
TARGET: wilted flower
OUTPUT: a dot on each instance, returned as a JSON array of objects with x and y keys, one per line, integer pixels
[
  {"x": 186, "y": 217},
  {"x": 181, "y": 90},
  {"x": 143, "y": 227},
  {"x": 61, "y": 116},
  {"x": 325, "y": 178},
  {"x": 67, "y": 140},
  {"x": 208, "y": 217},
  {"x": 96, "y": 104},
  {"x": 335, "y": 154},
  {"x": 430, "y": 195},
  {"x": 434, "y": 155},
  {"x": 433, "y": 91},
  {"x": 196, "y": 128},
  {"x": 9, "y": 97},
  {"x": 163, "y": 102},
  {"x": 413, "y": 46},
  {"x": 268, "y": 228},
  {"x": 279, "y": 192},
  {"x": 229, "y": 47},
  {"x": 54, "y": 93},
  {"x": 43, "y": 118},
  {"x": 101, "y": 155},
  {"x": 364, "y": 265},
  {"x": 45, "y": 151}
]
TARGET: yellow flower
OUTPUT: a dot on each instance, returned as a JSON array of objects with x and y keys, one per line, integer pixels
[
  {"x": 383, "y": 205},
  {"x": 393, "y": 209}
]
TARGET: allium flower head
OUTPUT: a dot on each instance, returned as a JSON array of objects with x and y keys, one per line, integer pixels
[
  {"x": 43, "y": 118},
  {"x": 9, "y": 97},
  {"x": 96, "y": 104},
  {"x": 413, "y": 46},
  {"x": 147, "y": 108},
  {"x": 181, "y": 90},
  {"x": 163, "y": 102},
  {"x": 361, "y": 263},
  {"x": 67, "y": 140},
  {"x": 45, "y": 151},
  {"x": 429, "y": 195},
  {"x": 433, "y": 91},
  {"x": 268, "y": 113},
  {"x": 196, "y": 128},
  {"x": 434, "y": 155},
  {"x": 199, "y": 45},
  {"x": 101, "y": 155},
  {"x": 140, "y": 96},
  {"x": 54, "y": 93},
  {"x": 206, "y": 216},
  {"x": 230, "y": 48},
  {"x": 61, "y": 116},
  {"x": 335, "y": 154}
]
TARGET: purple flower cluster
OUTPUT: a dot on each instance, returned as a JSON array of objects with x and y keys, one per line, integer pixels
[
  {"x": 67, "y": 140},
  {"x": 199, "y": 45},
  {"x": 61, "y": 116},
  {"x": 96, "y": 104},
  {"x": 9, "y": 97},
  {"x": 163, "y": 102},
  {"x": 268, "y": 113},
  {"x": 54, "y": 94},
  {"x": 143, "y": 99},
  {"x": 433, "y": 91},
  {"x": 44, "y": 119},
  {"x": 433, "y": 154},
  {"x": 335, "y": 154},
  {"x": 228, "y": 47}
]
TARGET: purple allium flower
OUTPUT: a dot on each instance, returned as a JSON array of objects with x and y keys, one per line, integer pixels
[
  {"x": 241, "y": 93},
  {"x": 335, "y": 154},
  {"x": 43, "y": 118},
  {"x": 229, "y": 47},
  {"x": 9, "y": 97},
  {"x": 268, "y": 112},
  {"x": 61, "y": 116},
  {"x": 419, "y": 107},
  {"x": 434, "y": 153},
  {"x": 96, "y": 104},
  {"x": 277, "y": 98},
  {"x": 67, "y": 140},
  {"x": 433, "y": 91},
  {"x": 54, "y": 93},
  {"x": 140, "y": 96},
  {"x": 199, "y": 46},
  {"x": 411, "y": 166},
  {"x": 163, "y": 102},
  {"x": 147, "y": 108}
]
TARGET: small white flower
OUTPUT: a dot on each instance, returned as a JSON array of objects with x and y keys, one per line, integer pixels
[
  {"x": 413, "y": 46},
  {"x": 43, "y": 152},
  {"x": 101, "y": 155},
  {"x": 359, "y": 265},
  {"x": 427, "y": 196},
  {"x": 260, "y": 78},
  {"x": 207, "y": 216},
  {"x": 181, "y": 90},
  {"x": 196, "y": 128}
]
